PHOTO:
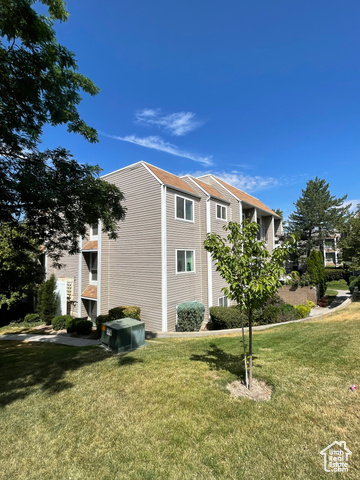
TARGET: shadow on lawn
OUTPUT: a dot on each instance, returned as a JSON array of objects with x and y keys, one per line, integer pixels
[
  {"x": 217, "y": 359},
  {"x": 27, "y": 366}
]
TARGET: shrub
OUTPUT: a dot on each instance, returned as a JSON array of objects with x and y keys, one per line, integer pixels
[
  {"x": 303, "y": 310},
  {"x": 354, "y": 282},
  {"x": 60, "y": 322},
  {"x": 32, "y": 318},
  {"x": 226, "y": 317},
  {"x": 47, "y": 300},
  {"x": 81, "y": 326},
  {"x": 305, "y": 280},
  {"x": 278, "y": 313},
  {"x": 316, "y": 270},
  {"x": 336, "y": 274},
  {"x": 274, "y": 300},
  {"x": 100, "y": 319},
  {"x": 310, "y": 304},
  {"x": 190, "y": 316},
  {"x": 125, "y": 311},
  {"x": 323, "y": 302}
]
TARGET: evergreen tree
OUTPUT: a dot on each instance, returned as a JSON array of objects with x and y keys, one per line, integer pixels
[
  {"x": 350, "y": 241},
  {"x": 47, "y": 300},
  {"x": 317, "y": 214},
  {"x": 316, "y": 270}
]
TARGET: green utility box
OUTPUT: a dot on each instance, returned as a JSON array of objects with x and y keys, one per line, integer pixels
[{"x": 123, "y": 335}]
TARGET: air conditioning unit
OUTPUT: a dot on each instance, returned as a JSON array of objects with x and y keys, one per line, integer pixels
[{"x": 123, "y": 335}]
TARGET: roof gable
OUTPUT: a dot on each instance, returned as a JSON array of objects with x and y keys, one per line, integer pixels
[
  {"x": 170, "y": 180},
  {"x": 245, "y": 197},
  {"x": 209, "y": 189}
]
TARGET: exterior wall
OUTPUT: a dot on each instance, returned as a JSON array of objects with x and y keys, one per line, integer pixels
[
  {"x": 297, "y": 296},
  {"x": 183, "y": 235},
  {"x": 70, "y": 273},
  {"x": 131, "y": 265}
]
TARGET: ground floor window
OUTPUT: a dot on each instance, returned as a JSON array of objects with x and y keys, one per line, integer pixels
[
  {"x": 185, "y": 261},
  {"x": 91, "y": 309},
  {"x": 223, "y": 302}
]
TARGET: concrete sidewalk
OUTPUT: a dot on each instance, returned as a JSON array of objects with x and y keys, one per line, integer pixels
[{"x": 60, "y": 339}]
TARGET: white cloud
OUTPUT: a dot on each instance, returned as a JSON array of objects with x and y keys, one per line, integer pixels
[
  {"x": 353, "y": 203},
  {"x": 247, "y": 183},
  {"x": 157, "y": 143},
  {"x": 177, "y": 124}
]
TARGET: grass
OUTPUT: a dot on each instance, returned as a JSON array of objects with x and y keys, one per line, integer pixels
[
  {"x": 163, "y": 412},
  {"x": 338, "y": 285}
]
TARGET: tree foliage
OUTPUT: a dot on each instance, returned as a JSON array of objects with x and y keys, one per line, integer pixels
[
  {"x": 317, "y": 214},
  {"x": 20, "y": 269},
  {"x": 252, "y": 274},
  {"x": 40, "y": 84},
  {"x": 350, "y": 241}
]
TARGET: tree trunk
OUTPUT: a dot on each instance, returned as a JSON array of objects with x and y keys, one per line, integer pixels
[
  {"x": 250, "y": 349},
  {"x": 245, "y": 362}
]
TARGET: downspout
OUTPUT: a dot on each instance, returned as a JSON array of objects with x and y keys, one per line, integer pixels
[
  {"x": 163, "y": 261},
  {"x": 99, "y": 271},
  {"x": 79, "y": 275},
  {"x": 208, "y": 256}
]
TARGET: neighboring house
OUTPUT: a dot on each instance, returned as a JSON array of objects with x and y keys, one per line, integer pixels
[
  {"x": 331, "y": 251},
  {"x": 158, "y": 259}
]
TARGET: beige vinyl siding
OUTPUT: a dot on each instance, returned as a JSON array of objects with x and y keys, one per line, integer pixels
[
  {"x": 68, "y": 271},
  {"x": 182, "y": 287},
  {"x": 131, "y": 265}
]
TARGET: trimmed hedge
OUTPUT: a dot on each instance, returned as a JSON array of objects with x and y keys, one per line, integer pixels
[
  {"x": 190, "y": 316},
  {"x": 354, "y": 282},
  {"x": 60, "y": 322},
  {"x": 124, "y": 311},
  {"x": 278, "y": 314},
  {"x": 226, "y": 317},
  {"x": 336, "y": 274},
  {"x": 81, "y": 326}
]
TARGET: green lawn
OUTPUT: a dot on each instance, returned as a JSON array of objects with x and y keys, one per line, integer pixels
[{"x": 162, "y": 412}]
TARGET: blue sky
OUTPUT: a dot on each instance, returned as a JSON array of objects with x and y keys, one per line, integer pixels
[{"x": 264, "y": 94}]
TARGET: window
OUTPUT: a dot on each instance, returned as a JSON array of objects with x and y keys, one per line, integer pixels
[
  {"x": 93, "y": 268},
  {"x": 184, "y": 209},
  {"x": 220, "y": 212},
  {"x": 185, "y": 261},
  {"x": 223, "y": 302},
  {"x": 94, "y": 230}
]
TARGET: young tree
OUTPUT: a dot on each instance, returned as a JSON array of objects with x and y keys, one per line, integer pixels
[
  {"x": 251, "y": 272},
  {"x": 317, "y": 214},
  {"x": 350, "y": 241},
  {"x": 40, "y": 84}
]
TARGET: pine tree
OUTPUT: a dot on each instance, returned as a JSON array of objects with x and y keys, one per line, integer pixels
[{"x": 317, "y": 214}]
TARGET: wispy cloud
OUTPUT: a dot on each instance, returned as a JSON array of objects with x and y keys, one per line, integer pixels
[
  {"x": 243, "y": 182},
  {"x": 353, "y": 203},
  {"x": 176, "y": 124},
  {"x": 157, "y": 143}
]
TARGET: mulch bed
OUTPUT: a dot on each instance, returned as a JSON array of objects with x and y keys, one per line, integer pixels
[{"x": 260, "y": 392}]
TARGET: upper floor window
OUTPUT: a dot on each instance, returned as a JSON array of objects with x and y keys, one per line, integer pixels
[
  {"x": 185, "y": 261},
  {"x": 93, "y": 267},
  {"x": 221, "y": 212},
  {"x": 184, "y": 208},
  {"x": 94, "y": 231}
]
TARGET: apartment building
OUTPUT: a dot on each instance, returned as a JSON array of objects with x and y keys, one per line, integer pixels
[{"x": 158, "y": 259}]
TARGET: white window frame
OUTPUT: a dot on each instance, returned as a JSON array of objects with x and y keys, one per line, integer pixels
[
  {"x": 92, "y": 236},
  {"x": 176, "y": 260},
  {"x": 193, "y": 209},
  {"x": 91, "y": 281},
  {"x": 223, "y": 300},
  {"x": 221, "y": 207}
]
